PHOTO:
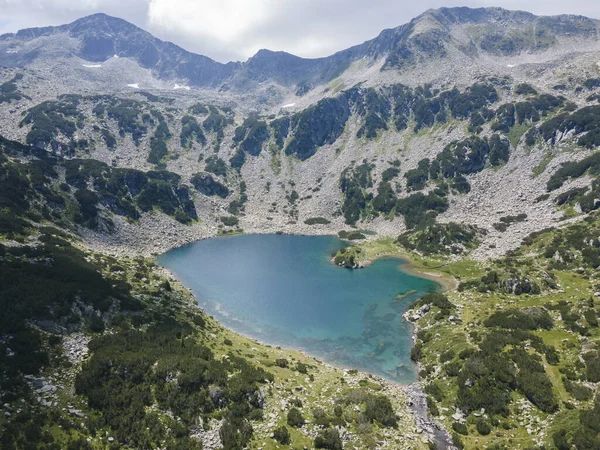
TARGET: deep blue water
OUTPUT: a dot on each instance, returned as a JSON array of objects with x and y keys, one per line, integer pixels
[{"x": 283, "y": 290}]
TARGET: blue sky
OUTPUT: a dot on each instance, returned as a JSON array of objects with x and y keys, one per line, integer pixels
[{"x": 236, "y": 29}]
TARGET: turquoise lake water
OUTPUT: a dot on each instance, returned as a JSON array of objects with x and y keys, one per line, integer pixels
[{"x": 283, "y": 290}]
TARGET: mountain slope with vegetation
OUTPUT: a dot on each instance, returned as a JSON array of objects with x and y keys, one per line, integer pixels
[
  {"x": 509, "y": 359},
  {"x": 105, "y": 352},
  {"x": 466, "y": 140}
]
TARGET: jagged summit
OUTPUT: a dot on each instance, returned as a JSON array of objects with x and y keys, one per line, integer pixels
[
  {"x": 100, "y": 37},
  {"x": 475, "y": 31},
  {"x": 93, "y": 24},
  {"x": 467, "y": 15},
  {"x": 429, "y": 37}
]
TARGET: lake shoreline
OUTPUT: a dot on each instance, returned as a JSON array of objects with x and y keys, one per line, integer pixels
[
  {"x": 408, "y": 266},
  {"x": 447, "y": 282},
  {"x": 412, "y": 391},
  {"x": 415, "y": 399},
  {"x": 335, "y": 314}
]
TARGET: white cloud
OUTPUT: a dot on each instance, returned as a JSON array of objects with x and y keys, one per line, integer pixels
[{"x": 224, "y": 20}]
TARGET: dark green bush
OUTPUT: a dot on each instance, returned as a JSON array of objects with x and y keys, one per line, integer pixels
[
  {"x": 483, "y": 427},
  {"x": 578, "y": 391},
  {"x": 353, "y": 184},
  {"x": 417, "y": 178},
  {"x": 50, "y": 118},
  {"x": 216, "y": 165},
  {"x": 235, "y": 434},
  {"x": 438, "y": 300},
  {"x": 441, "y": 238},
  {"x": 251, "y": 135},
  {"x": 317, "y": 221},
  {"x": 207, "y": 185},
  {"x": 230, "y": 221},
  {"x": 379, "y": 409},
  {"x": 460, "y": 428},
  {"x": 457, "y": 441},
  {"x": 282, "y": 435},
  {"x": 9, "y": 91},
  {"x": 129, "y": 115},
  {"x": 190, "y": 132},
  {"x": 320, "y": 124},
  {"x": 571, "y": 170},
  {"x": 493, "y": 374},
  {"x": 294, "y": 418},
  {"x": 329, "y": 439},
  {"x": 592, "y": 365},
  {"x": 591, "y": 317},
  {"x": 524, "y": 319},
  {"x": 216, "y": 123},
  {"x": 123, "y": 394},
  {"x": 525, "y": 89},
  {"x": 419, "y": 210},
  {"x": 385, "y": 200},
  {"x": 416, "y": 352},
  {"x": 389, "y": 174},
  {"x": 282, "y": 362},
  {"x": 87, "y": 207},
  {"x": 351, "y": 235},
  {"x": 158, "y": 143}
]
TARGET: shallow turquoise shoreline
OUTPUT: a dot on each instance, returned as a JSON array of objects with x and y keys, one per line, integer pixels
[{"x": 283, "y": 290}]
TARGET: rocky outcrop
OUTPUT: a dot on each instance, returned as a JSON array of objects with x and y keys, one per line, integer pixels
[
  {"x": 319, "y": 125},
  {"x": 207, "y": 185}
]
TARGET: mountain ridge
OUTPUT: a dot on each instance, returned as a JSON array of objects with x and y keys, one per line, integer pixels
[{"x": 427, "y": 36}]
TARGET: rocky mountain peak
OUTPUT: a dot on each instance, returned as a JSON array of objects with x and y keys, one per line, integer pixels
[
  {"x": 465, "y": 15},
  {"x": 101, "y": 23},
  {"x": 435, "y": 35},
  {"x": 474, "y": 31}
]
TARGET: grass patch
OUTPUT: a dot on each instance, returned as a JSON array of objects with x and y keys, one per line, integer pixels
[{"x": 543, "y": 164}]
